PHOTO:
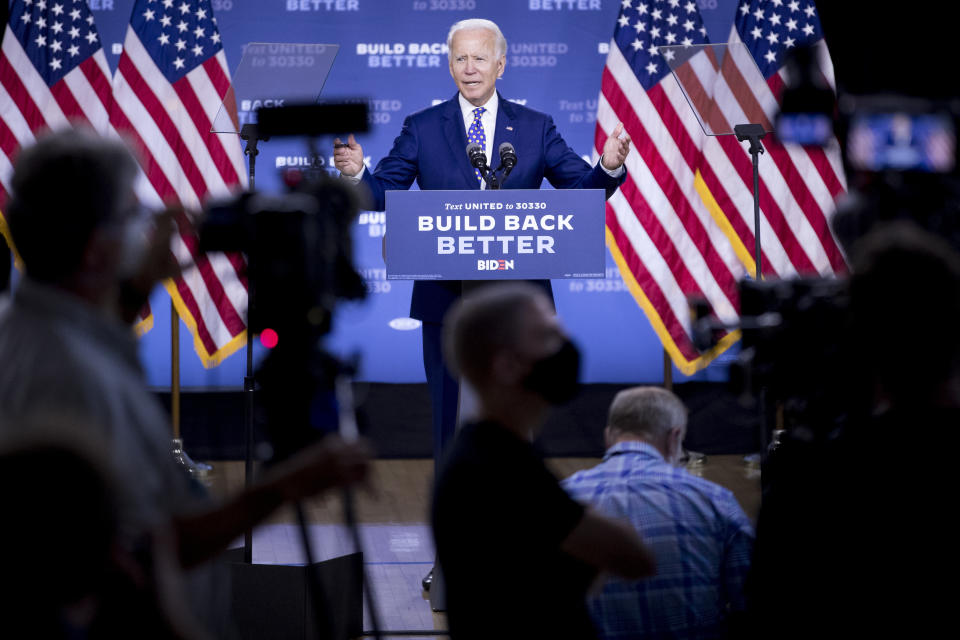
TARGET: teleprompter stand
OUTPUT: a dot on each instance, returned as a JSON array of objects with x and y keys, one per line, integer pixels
[
  {"x": 320, "y": 599},
  {"x": 690, "y": 65},
  {"x": 251, "y": 138}
]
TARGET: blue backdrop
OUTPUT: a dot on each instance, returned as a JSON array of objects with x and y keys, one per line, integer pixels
[{"x": 392, "y": 53}]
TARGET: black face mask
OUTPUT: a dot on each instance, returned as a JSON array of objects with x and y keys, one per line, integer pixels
[{"x": 557, "y": 377}]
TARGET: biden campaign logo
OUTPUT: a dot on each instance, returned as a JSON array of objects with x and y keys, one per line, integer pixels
[{"x": 495, "y": 265}]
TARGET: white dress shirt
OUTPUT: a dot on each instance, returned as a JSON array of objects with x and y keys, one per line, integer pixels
[{"x": 489, "y": 121}]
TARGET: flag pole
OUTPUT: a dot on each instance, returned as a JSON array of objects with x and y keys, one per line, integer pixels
[
  {"x": 667, "y": 371},
  {"x": 198, "y": 470}
]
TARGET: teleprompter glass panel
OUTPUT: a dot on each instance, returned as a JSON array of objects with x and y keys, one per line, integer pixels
[
  {"x": 273, "y": 74},
  {"x": 721, "y": 83}
]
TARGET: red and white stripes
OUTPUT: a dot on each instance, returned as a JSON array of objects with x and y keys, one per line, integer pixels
[
  {"x": 660, "y": 231},
  {"x": 29, "y": 106},
  {"x": 184, "y": 165}
]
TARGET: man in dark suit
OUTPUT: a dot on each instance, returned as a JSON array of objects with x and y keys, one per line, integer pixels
[{"x": 431, "y": 151}]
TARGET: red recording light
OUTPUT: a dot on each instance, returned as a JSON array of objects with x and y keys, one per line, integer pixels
[
  {"x": 269, "y": 338},
  {"x": 292, "y": 178}
]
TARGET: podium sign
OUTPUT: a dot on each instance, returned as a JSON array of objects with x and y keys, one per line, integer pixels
[{"x": 510, "y": 234}]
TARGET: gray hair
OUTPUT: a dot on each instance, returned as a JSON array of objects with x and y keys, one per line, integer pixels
[
  {"x": 648, "y": 411},
  {"x": 499, "y": 42}
]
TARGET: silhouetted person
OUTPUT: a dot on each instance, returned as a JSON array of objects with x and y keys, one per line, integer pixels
[
  {"x": 517, "y": 553},
  {"x": 855, "y": 534},
  {"x": 71, "y": 570},
  {"x": 91, "y": 257},
  {"x": 5, "y": 266}
]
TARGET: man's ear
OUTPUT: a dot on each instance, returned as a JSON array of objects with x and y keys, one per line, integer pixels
[
  {"x": 675, "y": 443},
  {"x": 609, "y": 437},
  {"x": 501, "y": 65}
]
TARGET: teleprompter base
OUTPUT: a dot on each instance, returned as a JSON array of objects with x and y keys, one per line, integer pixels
[{"x": 274, "y": 601}]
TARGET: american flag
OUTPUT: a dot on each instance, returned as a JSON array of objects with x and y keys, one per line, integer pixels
[
  {"x": 171, "y": 79},
  {"x": 660, "y": 232},
  {"x": 798, "y": 186},
  {"x": 53, "y": 74}
]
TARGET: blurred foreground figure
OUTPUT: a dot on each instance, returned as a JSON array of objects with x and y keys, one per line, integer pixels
[
  {"x": 91, "y": 258},
  {"x": 698, "y": 533},
  {"x": 517, "y": 553},
  {"x": 855, "y": 534},
  {"x": 5, "y": 266},
  {"x": 73, "y": 573}
]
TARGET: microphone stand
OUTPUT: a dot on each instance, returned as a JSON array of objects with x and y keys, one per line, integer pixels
[
  {"x": 490, "y": 177},
  {"x": 506, "y": 169},
  {"x": 478, "y": 160}
]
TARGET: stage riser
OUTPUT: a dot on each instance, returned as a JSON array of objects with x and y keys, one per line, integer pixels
[{"x": 399, "y": 424}]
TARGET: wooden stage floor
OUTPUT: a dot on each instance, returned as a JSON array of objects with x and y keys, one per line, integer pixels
[{"x": 394, "y": 529}]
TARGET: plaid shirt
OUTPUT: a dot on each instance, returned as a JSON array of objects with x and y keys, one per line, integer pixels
[{"x": 700, "y": 536}]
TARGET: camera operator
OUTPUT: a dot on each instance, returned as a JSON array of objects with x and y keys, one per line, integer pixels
[
  {"x": 854, "y": 535},
  {"x": 90, "y": 261},
  {"x": 92, "y": 583}
]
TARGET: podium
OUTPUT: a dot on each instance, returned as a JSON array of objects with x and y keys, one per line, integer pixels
[{"x": 511, "y": 234}]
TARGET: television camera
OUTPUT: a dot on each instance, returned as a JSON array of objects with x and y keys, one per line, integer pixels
[
  {"x": 899, "y": 157},
  {"x": 299, "y": 265}
]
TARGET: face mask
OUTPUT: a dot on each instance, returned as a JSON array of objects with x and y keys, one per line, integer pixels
[{"x": 557, "y": 377}]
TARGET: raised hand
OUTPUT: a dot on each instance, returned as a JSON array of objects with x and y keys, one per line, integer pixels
[
  {"x": 615, "y": 149},
  {"x": 348, "y": 156}
]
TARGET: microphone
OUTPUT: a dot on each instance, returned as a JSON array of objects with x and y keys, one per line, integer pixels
[
  {"x": 478, "y": 159},
  {"x": 508, "y": 159}
]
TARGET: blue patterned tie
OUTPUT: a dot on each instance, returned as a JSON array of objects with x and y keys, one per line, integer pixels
[{"x": 475, "y": 134}]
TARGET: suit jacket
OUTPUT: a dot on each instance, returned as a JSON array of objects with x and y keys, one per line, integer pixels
[{"x": 431, "y": 150}]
